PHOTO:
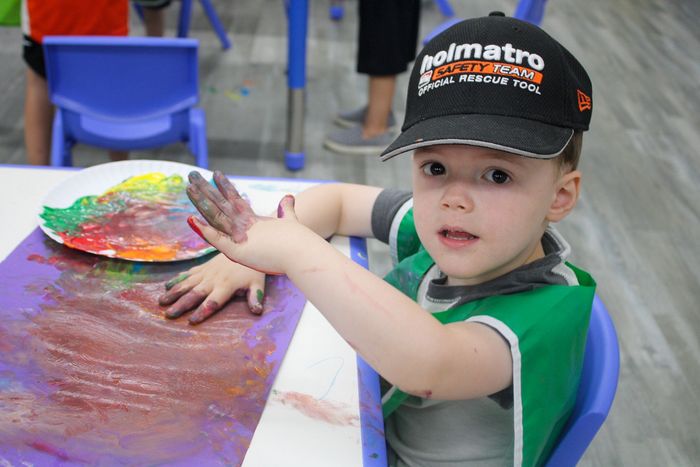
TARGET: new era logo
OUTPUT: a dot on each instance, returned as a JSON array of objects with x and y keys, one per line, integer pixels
[{"x": 584, "y": 102}]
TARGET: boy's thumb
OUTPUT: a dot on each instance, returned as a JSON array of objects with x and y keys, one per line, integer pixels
[
  {"x": 285, "y": 210},
  {"x": 256, "y": 296}
]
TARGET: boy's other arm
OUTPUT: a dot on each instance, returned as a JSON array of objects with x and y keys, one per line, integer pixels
[
  {"x": 337, "y": 208},
  {"x": 205, "y": 289}
]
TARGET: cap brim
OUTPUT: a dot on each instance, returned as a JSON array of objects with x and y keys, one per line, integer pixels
[{"x": 510, "y": 134}]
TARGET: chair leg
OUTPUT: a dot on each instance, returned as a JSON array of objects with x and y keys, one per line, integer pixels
[
  {"x": 216, "y": 23},
  {"x": 440, "y": 28},
  {"x": 139, "y": 10},
  {"x": 60, "y": 146},
  {"x": 531, "y": 11},
  {"x": 198, "y": 138},
  {"x": 183, "y": 24},
  {"x": 445, "y": 8},
  {"x": 336, "y": 11}
]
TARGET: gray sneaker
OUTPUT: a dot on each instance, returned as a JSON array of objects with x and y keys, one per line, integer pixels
[
  {"x": 349, "y": 141},
  {"x": 357, "y": 117}
]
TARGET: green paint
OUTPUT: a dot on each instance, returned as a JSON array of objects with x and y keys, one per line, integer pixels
[
  {"x": 68, "y": 219},
  {"x": 120, "y": 274},
  {"x": 172, "y": 282},
  {"x": 260, "y": 296},
  {"x": 149, "y": 187}
]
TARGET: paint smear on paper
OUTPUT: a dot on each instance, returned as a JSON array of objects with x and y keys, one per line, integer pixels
[
  {"x": 144, "y": 218},
  {"x": 335, "y": 413},
  {"x": 92, "y": 373}
]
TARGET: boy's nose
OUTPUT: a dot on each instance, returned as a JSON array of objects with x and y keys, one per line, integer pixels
[{"x": 457, "y": 198}]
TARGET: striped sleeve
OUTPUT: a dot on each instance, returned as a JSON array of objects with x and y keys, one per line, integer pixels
[
  {"x": 387, "y": 205},
  {"x": 392, "y": 223}
]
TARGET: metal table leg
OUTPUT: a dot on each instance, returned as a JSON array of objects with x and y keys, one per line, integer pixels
[{"x": 296, "y": 81}]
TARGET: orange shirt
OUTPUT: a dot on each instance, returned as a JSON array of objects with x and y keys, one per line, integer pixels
[{"x": 75, "y": 18}]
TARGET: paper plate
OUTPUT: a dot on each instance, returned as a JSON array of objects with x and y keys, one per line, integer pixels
[{"x": 148, "y": 229}]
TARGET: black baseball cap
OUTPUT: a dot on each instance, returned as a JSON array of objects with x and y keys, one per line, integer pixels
[{"x": 495, "y": 82}]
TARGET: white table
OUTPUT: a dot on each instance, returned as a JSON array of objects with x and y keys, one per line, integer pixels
[{"x": 318, "y": 363}]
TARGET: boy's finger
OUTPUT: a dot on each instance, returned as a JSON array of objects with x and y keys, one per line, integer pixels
[
  {"x": 227, "y": 189},
  {"x": 187, "y": 302},
  {"x": 176, "y": 280},
  {"x": 256, "y": 297},
  {"x": 285, "y": 208},
  {"x": 213, "y": 194},
  {"x": 209, "y": 210},
  {"x": 214, "y": 302},
  {"x": 175, "y": 292},
  {"x": 204, "y": 311},
  {"x": 223, "y": 242}
]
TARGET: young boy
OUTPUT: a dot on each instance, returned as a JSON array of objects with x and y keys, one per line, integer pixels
[{"x": 481, "y": 326}]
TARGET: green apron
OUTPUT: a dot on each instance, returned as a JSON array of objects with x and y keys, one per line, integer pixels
[{"x": 546, "y": 329}]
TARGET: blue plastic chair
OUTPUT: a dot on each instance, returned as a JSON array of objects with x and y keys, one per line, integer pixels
[
  {"x": 599, "y": 377},
  {"x": 531, "y": 11},
  {"x": 445, "y": 8},
  {"x": 183, "y": 23},
  {"x": 124, "y": 93},
  {"x": 336, "y": 10}
]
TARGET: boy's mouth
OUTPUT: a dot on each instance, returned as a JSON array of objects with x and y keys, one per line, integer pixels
[{"x": 457, "y": 234}]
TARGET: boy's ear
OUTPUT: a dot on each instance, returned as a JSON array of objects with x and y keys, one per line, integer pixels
[{"x": 565, "y": 198}]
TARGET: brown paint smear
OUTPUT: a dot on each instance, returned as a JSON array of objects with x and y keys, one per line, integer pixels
[{"x": 125, "y": 380}]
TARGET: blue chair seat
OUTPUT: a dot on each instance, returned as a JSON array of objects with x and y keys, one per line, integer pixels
[{"x": 596, "y": 391}]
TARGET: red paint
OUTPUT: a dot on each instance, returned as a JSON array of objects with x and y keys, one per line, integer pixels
[
  {"x": 187, "y": 302},
  {"x": 193, "y": 225},
  {"x": 117, "y": 366},
  {"x": 204, "y": 311},
  {"x": 47, "y": 448},
  {"x": 280, "y": 209},
  {"x": 335, "y": 413},
  {"x": 130, "y": 233}
]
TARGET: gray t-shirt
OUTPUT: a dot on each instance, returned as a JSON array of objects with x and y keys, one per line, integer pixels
[{"x": 428, "y": 432}]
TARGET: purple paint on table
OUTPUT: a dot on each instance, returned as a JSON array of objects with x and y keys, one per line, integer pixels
[{"x": 91, "y": 371}]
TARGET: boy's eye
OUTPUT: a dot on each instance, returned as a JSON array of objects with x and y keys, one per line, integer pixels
[
  {"x": 497, "y": 176},
  {"x": 434, "y": 168}
]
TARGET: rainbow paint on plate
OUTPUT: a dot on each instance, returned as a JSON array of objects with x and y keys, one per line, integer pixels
[{"x": 143, "y": 218}]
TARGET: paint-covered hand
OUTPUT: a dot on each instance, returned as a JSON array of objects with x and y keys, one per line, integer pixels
[
  {"x": 205, "y": 289},
  {"x": 258, "y": 242}
]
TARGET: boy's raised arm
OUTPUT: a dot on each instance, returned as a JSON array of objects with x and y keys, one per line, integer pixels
[{"x": 393, "y": 333}]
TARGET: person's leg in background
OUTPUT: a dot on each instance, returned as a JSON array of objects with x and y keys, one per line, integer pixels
[
  {"x": 44, "y": 18},
  {"x": 154, "y": 22},
  {"x": 38, "y": 115},
  {"x": 379, "y": 104},
  {"x": 154, "y": 16},
  {"x": 38, "y": 110},
  {"x": 387, "y": 39}
]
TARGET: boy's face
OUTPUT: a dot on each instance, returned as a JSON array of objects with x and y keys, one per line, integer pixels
[{"x": 481, "y": 212}]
